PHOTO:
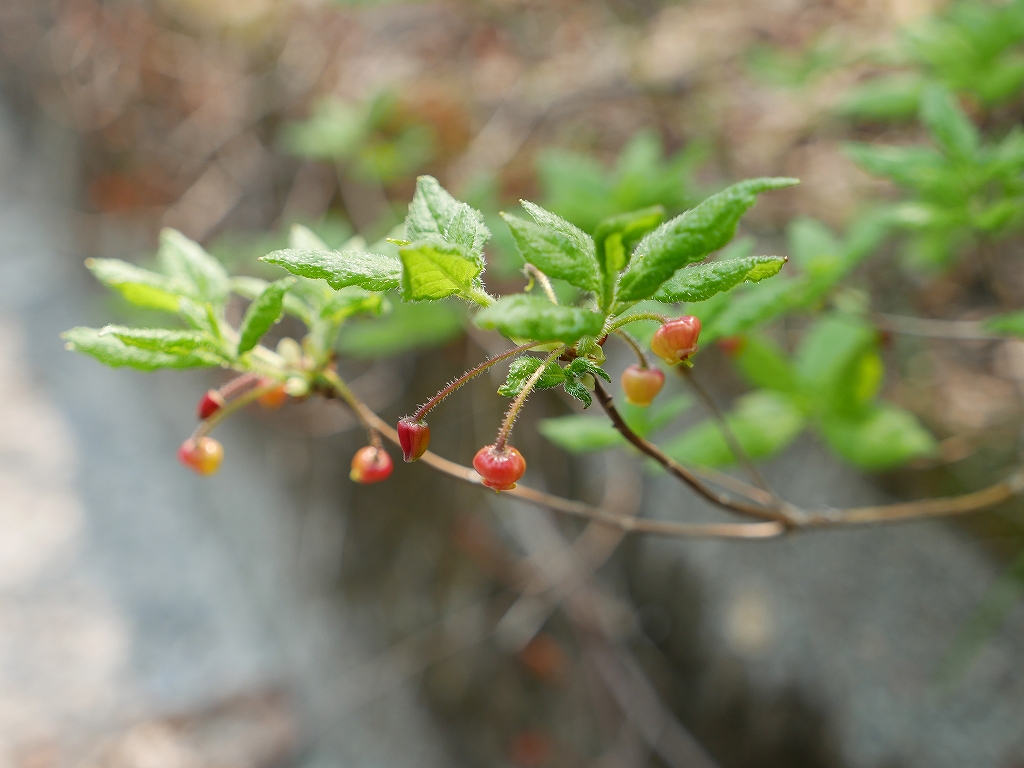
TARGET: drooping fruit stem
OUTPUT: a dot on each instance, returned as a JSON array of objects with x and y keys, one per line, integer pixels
[
  {"x": 470, "y": 374},
  {"x": 513, "y": 410},
  {"x": 634, "y": 345},
  {"x": 207, "y": 426},
  {"x": 354, "y": 403}
]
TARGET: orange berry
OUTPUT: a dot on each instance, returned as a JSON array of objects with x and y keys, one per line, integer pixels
[
  {"x": 202, "y": 455},
  {"x": 641, "y": 385},
  {"x": 676, "y": 340}
]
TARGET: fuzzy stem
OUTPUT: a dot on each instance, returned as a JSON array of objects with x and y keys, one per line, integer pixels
[
  {"x": 634, "y": 345},
  {"x": 345, "y": 393},
  {"x": 478, "y": 296},
  {"x": 208, "y": 425},
  {"x": 545, "y": 283},
  {"x": 517, "y": 404},
  {"x": 622, "y": 320},
  {"x": 237, "y": 384},
  {"x": 470, "y": 374}
]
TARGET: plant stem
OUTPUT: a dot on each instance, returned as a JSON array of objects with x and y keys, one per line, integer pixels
[
  {"x": 622, "y": 320},
  {"x": 472, "y": 373},
  {"x": 517, "y": 404},
  {"x": 634, "y": 345},
  {"x": 681, "y": 472},
  {"x": 345, "y": 393},
  {"x": 208, "y": 425},
  {"x": 478, "y": 296},
  {"x": 1011, "y": 487},
  {"x": 730, "y": 437},
  {"x": 545, "y": 283}
]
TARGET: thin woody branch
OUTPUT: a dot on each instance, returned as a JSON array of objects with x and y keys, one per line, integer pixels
[{"x": 792, "y": 519}]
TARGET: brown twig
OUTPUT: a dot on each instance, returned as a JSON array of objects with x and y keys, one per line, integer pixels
[
  {"x": 730, "y": 437},
  {"x": 686, "y": 475},
  {"x": 791, "y": 519}
]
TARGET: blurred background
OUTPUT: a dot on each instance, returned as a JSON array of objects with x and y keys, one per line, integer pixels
[{"x": 277, "y": 614}]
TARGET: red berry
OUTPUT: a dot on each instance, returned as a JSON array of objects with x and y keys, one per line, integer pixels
[
  {"x": 414, "y": 437},
  {"x": 499, "y": 469},
  {"x": 641, "y": 385},
  {"x": 676, "y": 340},
  {"x": 371, "y": 465},
  {"x": 273, "y": 399},
  {"x": 202, "y": 455},
  {"x": 210, "y": 403},
  {"x": 733, "y": 345}
]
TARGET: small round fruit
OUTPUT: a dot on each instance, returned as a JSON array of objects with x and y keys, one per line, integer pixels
[
  {"x": 676, "y": 340},
  {"x": 499, "y": 470},
  {"x": 414, "y": 437},
  {"x": 202, "y": 455},
  {"x": 371, "y": 465},
  {"x": 641, "y": 385},
  {"x": 210, "y": 403},
  {"x": 273, "y": 399}
]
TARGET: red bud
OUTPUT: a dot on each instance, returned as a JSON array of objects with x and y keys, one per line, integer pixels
[
  {"x": 210, "y": 403},
  {"x": 414, "y": 437}
]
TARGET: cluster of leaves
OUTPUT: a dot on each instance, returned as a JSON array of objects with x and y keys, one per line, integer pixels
[
  {"x": 973, "y": 48},
  {"x": 962, "y": 189},
  {"x": 370, "y": 138},
  {"x": 580, "y": 189},
  {"x": 631, "y": 257},
  {"x": 830, "y": 383},
  {"x": 192, "y": 285}
]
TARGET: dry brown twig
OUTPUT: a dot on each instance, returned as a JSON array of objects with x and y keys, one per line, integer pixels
[{"x": 775, "y": 518}]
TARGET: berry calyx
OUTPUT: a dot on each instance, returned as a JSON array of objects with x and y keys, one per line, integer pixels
[
  {"x": 641, "y": 385},
  {"x": 371, "y": 465},
  {"x": 210, "y": 403},
  {"x": 203, "y": 455},
  {"x": 273, "y": 399},
  {"x": 676, "y": 340},
  {"x": 499, "y": 469},
  {"x": 414, "y": 437}
]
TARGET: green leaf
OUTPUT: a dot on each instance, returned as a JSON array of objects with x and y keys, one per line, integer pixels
[
  {"x": 139, "y": 286},
  {"x": 883, "y": 437},
  {"x": 531, "y": 317},
  {"x": 110, "y": 350},
  {"x": 690, "y": 237},
  {"x": 523, "y": 368},
  {"x": 948, "y": 124},
  {"x": 1011, "y": 324},
  {"x": 891, "y": 97},
  {"x": 830, "y": 363},
  {"x": 341, "y": 268},
  {"x": 749, "y": 309},
  {"x": 578, "y": 433},
  {"x": 262, "y": 313},
  {"x": 435, "y": 270},
  {"x": 575, "y": 372},
  {"x": 556, "y": 254},
  {"x": 618, "y": 235},
  {"x": 407, "y": 327},
  {"x": 545, "y": 218},
  {"x": 705, "y": 280},
  {"x": 168, "y": 340},
  {"x": 763, "y": 423},
  {"x": 763, "y": 364},
  {"x": 811, "y": 241},
  {"x": 302, "y": 238},
  {"x": 435, "y": 214},
  {"x": 251, "y": 287},
  {"x": 185, "y": 260}
]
